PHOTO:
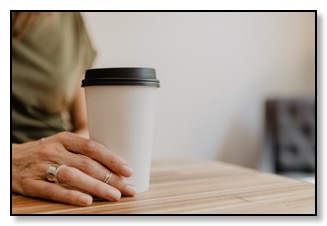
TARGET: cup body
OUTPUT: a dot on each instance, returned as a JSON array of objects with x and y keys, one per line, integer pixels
[{"x": 121, "y": 116}]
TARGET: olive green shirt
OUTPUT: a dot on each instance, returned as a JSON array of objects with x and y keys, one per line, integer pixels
[{"x": 48, "y": 64}]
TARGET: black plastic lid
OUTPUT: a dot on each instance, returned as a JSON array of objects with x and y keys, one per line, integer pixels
[{"x": 120, "y": 77}]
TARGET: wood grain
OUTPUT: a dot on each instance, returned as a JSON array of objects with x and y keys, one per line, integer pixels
[{"x": 196, "y": 187}]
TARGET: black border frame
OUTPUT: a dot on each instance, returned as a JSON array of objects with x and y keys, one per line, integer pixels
[{"x": 181, "y": 11}]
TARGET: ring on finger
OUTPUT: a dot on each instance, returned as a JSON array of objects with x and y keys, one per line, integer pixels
[
  {"x": 107, "y": 177},
  {"x": 52, "y": 173}
]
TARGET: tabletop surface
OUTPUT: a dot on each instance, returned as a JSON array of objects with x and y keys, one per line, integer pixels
[{"x": 196, "y": 187}]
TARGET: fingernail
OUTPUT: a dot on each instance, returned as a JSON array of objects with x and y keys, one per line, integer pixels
[
  {"x": 85, "y": 200},
  {"x": 114, "y": 194},
  {"x": 130, "y": 190},
  {"x": 127, "y": 171}
]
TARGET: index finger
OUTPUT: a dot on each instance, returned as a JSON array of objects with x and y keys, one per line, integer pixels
[{"x": 96, "y": 151}]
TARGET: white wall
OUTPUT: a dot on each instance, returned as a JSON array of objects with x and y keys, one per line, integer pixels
[{"x": 216, "y": 70}]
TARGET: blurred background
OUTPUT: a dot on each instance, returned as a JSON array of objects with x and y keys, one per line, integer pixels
[{"x": 237, "y": 87}]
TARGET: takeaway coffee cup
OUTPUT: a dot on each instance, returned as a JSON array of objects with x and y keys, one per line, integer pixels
[{"x": 121, "y": 108}]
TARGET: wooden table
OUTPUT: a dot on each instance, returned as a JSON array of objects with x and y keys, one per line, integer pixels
[{"x": 196, "y": 187}]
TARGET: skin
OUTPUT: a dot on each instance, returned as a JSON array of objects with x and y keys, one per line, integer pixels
[{"x": 86, "y": 165}]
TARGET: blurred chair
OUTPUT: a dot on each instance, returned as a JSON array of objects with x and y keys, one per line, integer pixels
[{"x": 290, "y": 138}]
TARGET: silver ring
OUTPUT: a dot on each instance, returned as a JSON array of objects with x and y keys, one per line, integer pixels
[
  {"x": 52, "y": 173},
  {"x": 107, "y": 177}
]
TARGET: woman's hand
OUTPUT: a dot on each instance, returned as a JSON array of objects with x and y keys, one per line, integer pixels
[{"x": 86, "y": 165}]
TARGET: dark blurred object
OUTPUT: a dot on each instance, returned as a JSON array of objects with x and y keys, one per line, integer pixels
[{"x": 290, "y": 138}]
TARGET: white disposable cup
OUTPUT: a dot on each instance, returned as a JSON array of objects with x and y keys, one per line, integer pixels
[{"x": 121, "y": 117}]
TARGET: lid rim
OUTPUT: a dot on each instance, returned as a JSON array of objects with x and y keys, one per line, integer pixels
[
  {"x": 106, "y": 83},
  {"x": 120, "y": 76}
]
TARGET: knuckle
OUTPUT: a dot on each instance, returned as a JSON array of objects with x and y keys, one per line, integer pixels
[
  {"x": 45, "y": 151},
  {"x": 116, "y": 181},
  {"x": 66, "y": 176},
  {"x": 86, "y": 165},
  {"x": 113, "y": 161},
  {"x": 96, "y": 188},
  {"x": 90, "y": 146},
  {"x": 48, "y": 193},
  {"x": 62, "y": 135}
]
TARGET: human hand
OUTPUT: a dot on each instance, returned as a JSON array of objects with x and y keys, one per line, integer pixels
[{"x": 87, "y": 164}]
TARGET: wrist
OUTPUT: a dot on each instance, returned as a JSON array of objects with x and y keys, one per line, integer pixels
[{"x": 84, "y": 132}]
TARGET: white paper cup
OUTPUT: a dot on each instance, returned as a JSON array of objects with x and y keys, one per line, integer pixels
[{"x": 121, "y": 109}]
